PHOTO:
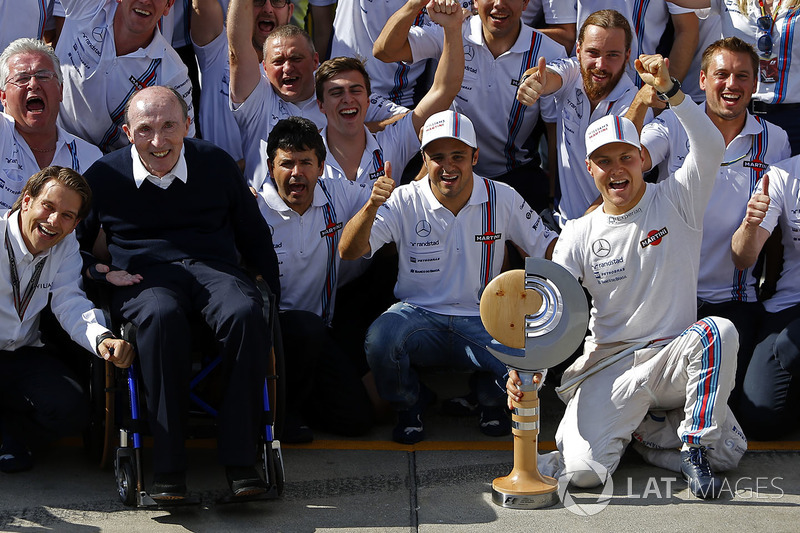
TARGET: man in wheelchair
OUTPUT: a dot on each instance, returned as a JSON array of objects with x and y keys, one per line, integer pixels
[
  {"x": 178, "y": 217},
  {"x": 40, "y": 399}
]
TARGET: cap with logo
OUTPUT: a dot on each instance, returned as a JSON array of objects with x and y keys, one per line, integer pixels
[
  {"x": 448, "y": 125},
  {"x": 610, "y": 129}
]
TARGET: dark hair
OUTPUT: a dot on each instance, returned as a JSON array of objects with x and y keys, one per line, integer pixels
[
  {"x": 295, "y": 134},
  {"x": 335, "y": 66},
  {"x": 608, "y": 18},
  {"x": 175, "y": 93},
  {"x": 731, "y": 44},
  {"x": 64, "y": 176}
]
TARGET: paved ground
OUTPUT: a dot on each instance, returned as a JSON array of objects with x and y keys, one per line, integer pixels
[{"x": 442, "y": 484}]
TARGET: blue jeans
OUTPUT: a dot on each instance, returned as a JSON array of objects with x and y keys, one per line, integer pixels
[{"x": 406, "y": 336}]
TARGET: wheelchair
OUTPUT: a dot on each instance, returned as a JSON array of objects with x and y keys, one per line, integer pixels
[{"x": 119, "y": 421}]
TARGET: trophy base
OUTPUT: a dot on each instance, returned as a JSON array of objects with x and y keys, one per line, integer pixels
[{"x": 524, "y": 501}]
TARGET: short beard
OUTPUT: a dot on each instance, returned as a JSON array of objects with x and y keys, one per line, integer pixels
[{"x": 598, "y": 92}]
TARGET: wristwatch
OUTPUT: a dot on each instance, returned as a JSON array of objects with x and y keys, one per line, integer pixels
[{"x": 676, "y": 86}]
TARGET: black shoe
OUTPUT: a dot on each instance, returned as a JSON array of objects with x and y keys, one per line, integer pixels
[
  {"x": 697, "y": 472},
  {"x": 494, "y": 421},
  {"x": 409, "y": 428},
  {"x": 295, "y": 430},
  {"x": 168, "y": 486},
  {"x": 15, "y": 459},
  {"x": 244, "y": 481},
  {"x": 461, "y": 405}
]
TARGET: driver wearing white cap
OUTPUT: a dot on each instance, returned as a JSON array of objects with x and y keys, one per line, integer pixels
[
  {"x": 450, "y": 228},
  {"x": 638, "y": 256}
]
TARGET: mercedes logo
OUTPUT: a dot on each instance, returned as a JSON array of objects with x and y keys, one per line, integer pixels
[
  {"x": 601, "y": 247},
  {"x": 423, "y": 228}
]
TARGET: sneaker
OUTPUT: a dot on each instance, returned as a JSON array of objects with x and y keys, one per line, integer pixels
[
  {"x": 461, "y": 405},
  {"x": 494, "y": 421},
  {"x": 697, "y": 472},
  {"x": 244, "y": 481},
  {"x": 168, "y": 486},
  {"x": 409, "y": 428}
]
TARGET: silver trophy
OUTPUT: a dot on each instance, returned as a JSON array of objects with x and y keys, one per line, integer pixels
[{"x": 542, "y": 309}]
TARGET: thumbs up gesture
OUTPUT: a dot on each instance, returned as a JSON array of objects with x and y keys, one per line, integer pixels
[
  {"x": 759, "y": 204},
  {"x": 535, "y": 81}
]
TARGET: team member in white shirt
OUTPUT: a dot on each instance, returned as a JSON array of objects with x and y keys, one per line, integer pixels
[
  {"x": 39, "y": 398},
  {"x": 449, "y": 228},
  {"x": 498, "y": 49},
  {"x": 585, "y": 88},
  {"x": 211, "y": 48},
  {"x": 637, "y": 256},
  {"x": 648, "y": 20},
  {"x": 356, "y": 26},
  {"x": 30, "y": 90},
  {"x": 560, "y": 19},
  {"x": 109, "y": 50},
  {"x": 770, "y": 398},
  {"x": 306, "y": 216},
  {"x": 729, "y": 77}
]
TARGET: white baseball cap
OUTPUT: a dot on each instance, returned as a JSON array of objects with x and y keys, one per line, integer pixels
[
  {"x": 610, "y": 129},
  {"x": 448, "y": 125}
]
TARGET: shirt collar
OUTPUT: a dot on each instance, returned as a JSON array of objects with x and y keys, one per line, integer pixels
[
  {"x": 477, "y": 197},
  {"x": 140, "y": 174}
]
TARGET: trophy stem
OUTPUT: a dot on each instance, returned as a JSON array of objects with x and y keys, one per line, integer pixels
[{"x": 525, "y": 487}]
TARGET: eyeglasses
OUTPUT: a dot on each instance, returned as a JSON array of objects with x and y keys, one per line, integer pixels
[
  {"x": 24, "y": 78},
  {"x": 277, "y": 4},
  {"x": 764, "y": 42}
]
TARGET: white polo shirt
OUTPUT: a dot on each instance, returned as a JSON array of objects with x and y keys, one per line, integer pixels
[
  {"x": 784, "y": 206},
  {"x": 786, "y": 88},
  {"x": 397, "y": 143},
  {"x": 759, "y": 144},
  {"x": 18, "y": 162},
  {"x": 307, "y": 246},
  {"x": 355, "y": 27},
  {"x": 648, "y": 20},
  {"x": 98, "y": 83},
  {"x": 60, "y": 279},
  {"x": 578, "y": 190},
  {"x": 215, "y": 117},
  {"x": 554, "y": 12},
  {"x": 488, "y": 92},
  {"x": 446, "y": 260}
]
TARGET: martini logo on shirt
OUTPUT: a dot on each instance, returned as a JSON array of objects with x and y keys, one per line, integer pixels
[
  {"x": 755, "y": 164},
  {"x": 331, "y": 229},
  {"x": 488, "y": 237},
  {"x": 654, "y": 237}
]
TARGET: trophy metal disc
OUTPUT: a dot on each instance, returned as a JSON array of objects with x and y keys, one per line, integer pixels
[{"x": 542, "y": 309}]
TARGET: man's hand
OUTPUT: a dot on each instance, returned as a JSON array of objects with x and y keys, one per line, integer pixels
[
  {"x": 119, "y": 278},
  {"x": 758, "y": 205},
  {"x": 647, "y": 96},
  {"x": 531, "y": 89},
  {"x": 382, "y": 188},
  {"x": 513, "y": 385},
  {"x": 654, "y": 71},
  {"x": 117, "y": 351},
  {"x": 446, "y": 12}
]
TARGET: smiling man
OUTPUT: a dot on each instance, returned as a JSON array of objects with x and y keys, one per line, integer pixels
[
  {"x": 584, "y": 88},
  {"x": 728, "y": 76},
  {"x": 30, "y": 140},
  {"x": 40, "y": 399},
  {"x": 178, "y": 216},
  {"x": 637, "y": 256},
  {"x": 306, "y": 215},
  {"x": 449, "y": 228},
  {"x": 109, "y": 49}
]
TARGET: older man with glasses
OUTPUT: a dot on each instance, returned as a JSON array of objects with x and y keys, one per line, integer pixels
[{"x": 30, "y": 139}]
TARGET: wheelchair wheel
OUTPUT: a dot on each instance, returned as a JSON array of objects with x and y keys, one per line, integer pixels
[
  {"x": 126, "y": 482},
  {"x": 273, "y": 469}
]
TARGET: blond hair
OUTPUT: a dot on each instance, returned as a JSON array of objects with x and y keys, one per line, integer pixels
[{"x": 788, "y": 4}]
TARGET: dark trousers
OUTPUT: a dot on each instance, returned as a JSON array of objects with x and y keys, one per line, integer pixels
[
  {"x": 322, "y": 381},
  {"x": 770, "y": 403},
  {"x": 531, "y": 182},
  {"x": 746, "y": 316},
  {"x": 40, "y": 399},
  {"x": 162, "y": 306}
]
